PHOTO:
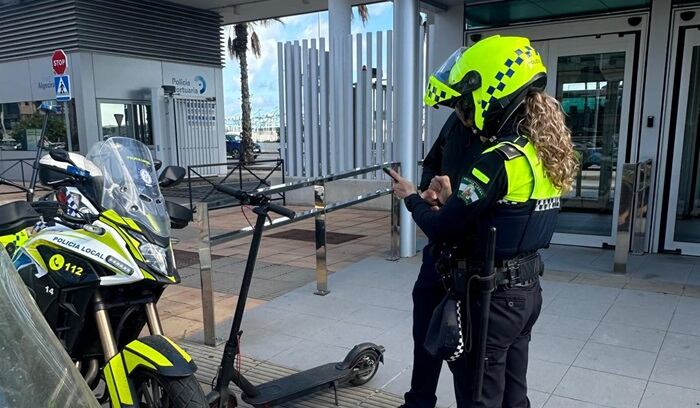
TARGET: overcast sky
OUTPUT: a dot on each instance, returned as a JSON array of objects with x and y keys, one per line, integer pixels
[{"x": 263, "y": 71}]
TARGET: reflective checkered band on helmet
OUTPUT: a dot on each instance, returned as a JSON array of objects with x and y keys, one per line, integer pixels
[
  {"x": 504, "y": 73},
  {"x": 435, "y": 94},
  {"x": 547, "y": 204}
]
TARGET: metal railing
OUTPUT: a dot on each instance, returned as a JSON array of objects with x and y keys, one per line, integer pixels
[
  {"x": 632, "y": 212},
  {"x": 21, "y": 182},
  {"x": 321, "y": 208},
  {"x": 194, "y": 175}
]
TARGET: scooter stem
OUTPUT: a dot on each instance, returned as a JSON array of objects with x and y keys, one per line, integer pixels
[{"x": 227, "y": 368}]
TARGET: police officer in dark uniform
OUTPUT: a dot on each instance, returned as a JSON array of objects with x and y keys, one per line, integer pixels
[
  {"x": 515, "y": 186},
  {"x": 456, "y": 148}
]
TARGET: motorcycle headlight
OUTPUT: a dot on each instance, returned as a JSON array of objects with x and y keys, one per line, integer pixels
[{"x": 156, "y": 257}]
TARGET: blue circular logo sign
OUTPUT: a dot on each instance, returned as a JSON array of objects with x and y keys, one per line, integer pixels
[{"x": 201, "y": 84}]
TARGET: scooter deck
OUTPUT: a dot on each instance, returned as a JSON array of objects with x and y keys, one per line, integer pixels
[{"x": 296, "y": 385}]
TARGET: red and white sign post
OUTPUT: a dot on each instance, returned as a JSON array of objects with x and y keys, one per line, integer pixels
[{"x": 59, "y": 65}]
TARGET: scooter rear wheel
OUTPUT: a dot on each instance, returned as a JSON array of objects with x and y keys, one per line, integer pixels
[{"x": 364, "y": 367}]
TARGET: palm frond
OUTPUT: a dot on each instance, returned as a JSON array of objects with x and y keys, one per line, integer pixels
[
  {"x": 363, "y": 12},
  {"x": 255, "y": 44}
]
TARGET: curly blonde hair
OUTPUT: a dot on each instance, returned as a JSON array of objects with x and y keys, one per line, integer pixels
[{"x": 544, "y": 124}]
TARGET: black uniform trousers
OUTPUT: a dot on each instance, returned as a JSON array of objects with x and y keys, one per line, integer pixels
[{"x": 513, "y": 312}]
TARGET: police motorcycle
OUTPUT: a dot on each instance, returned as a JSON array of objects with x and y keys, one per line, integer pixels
[
  {"x": 35, "y": 370},
  {"x": 100, "y": 264}
]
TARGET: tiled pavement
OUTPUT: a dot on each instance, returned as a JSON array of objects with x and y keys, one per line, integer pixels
[
  {"x": 603, "y": 340},
  {"x": 593, "y": 346}
]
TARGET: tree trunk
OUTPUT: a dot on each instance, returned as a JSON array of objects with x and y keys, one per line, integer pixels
[{"x": 241, "y": 31}]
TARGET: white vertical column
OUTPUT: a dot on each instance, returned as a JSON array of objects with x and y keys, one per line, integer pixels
[
  {"x": 339, "y": 12},
  {"x": 313, "y": 65},
  {"x": 653, "y": 105},
  {"x": 359, "y": 104},
  {"x": 445, "y": 35},
  {"x": 379, "y": 155},
  {"x": 323, "y": 135},
  {"x": 406, "y": 70},
  {"x": 281, "y": 69}
]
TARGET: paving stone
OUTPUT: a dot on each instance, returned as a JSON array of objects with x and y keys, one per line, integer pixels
[
  {"x": 543, "y": 375},
  {"x": 616, "y": 360},
  {"x": 628, "y": 336},
  {"x": 648, "y": 317},
  {"x": 663, "y": 395},
  {"x": 601, "y": 388},
  {"x": 675, "y": 370}
]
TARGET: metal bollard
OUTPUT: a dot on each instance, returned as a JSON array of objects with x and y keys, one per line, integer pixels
[
  {"x": 320, "y": 224},
  {"x": 201, "y": 218},
  {"x": 624, "y": 218}
]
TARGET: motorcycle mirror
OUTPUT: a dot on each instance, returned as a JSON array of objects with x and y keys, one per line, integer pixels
[
  {"x": 61, "y": 155},
  {"x": 171, "y": 176},
  {"x": 157, "y": 164}
]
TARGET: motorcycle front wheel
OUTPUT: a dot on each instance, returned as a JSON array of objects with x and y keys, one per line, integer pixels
[{"x": 156, "y": 391}]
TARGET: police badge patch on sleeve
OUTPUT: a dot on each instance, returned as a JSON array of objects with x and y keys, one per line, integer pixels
[{"x": 470, "y": 191}]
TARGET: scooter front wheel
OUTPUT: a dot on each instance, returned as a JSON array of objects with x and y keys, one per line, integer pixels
[
  {"x": 157, "y": 391},
  {"x": 364, "y": 366}
]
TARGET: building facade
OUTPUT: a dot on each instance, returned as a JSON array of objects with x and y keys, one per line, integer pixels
[
  {"x": 626, "y": 74},
  {"x": 143, "y": 69}
]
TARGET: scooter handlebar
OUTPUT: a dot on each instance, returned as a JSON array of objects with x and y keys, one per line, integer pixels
[
  {"x": 283, "y": 211},
  {"x": 238, "y": 194},
  {"x": 257, "y": 199}
]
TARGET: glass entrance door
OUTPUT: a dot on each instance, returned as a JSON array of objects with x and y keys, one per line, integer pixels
[
  {"x": 592, "y": 77},
  {"x": 683, "y": 223}
]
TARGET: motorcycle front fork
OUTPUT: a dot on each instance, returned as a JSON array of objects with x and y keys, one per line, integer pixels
[{"x": 104, "y": 327}]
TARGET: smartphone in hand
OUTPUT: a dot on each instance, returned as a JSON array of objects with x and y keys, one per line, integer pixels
[{"x": 386, "y": 170}]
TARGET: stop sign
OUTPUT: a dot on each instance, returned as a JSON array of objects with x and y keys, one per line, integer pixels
[{"x": 59, "y": 62}]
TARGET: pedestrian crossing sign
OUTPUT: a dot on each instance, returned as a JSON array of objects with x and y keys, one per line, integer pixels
[{"x": 61, "y": 84}]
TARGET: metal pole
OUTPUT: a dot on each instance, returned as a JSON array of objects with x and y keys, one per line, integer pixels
[
  {"x": 321, "y": 266},
  {"x": 66, "y": 116},
  {"x": 201, "y": 218},
  {"x": 406, "y": 67}
]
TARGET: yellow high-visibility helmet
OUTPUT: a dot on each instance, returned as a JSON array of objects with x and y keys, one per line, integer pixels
[{"x": 493, "y": 76}]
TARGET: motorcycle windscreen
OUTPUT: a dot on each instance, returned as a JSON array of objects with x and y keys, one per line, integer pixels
[
  {"x": 130, "y": 183},
  {"x": 35, "y": 370}
]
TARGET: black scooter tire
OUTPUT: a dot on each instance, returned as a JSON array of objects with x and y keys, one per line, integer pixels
[
  {"x": 182, "y": 392},
  {"x": 360, "y": 362}
]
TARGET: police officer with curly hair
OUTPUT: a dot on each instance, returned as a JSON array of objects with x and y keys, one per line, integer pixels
[{"x": 515, "y": 186}]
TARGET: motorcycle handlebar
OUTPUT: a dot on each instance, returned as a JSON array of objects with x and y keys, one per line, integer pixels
[{"x": 257, "y": 199}]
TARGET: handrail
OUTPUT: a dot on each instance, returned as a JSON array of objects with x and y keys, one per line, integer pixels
[{"x": 321, "y": 208}]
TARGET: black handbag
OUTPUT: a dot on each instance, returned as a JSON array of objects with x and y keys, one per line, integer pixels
[{"x": 445, "y": 339}]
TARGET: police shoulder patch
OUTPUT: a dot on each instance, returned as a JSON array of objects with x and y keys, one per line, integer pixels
[{"x": 470, "y": 190}]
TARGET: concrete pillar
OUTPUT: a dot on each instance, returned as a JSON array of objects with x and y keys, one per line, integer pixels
[
  {"x": 339, "y": 14},
  {"x": 445, "y": 34},
  {"x": 86, "y": 108},
  {"x": 406, "y": 105}
]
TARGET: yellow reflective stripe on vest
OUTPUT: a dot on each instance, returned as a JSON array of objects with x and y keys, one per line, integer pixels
[
  {"x": 527, "y": 178},
  {"x": 480, "y": 175},
  {"x": 520, "y": 180}
]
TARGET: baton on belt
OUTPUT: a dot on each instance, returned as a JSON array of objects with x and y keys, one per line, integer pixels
[{"x": 486, "y": 286}]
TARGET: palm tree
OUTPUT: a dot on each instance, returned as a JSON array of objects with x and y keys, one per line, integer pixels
[{"x": 237, "y": 46}]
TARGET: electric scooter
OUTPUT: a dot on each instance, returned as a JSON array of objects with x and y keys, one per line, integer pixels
[{"x": 358, "y": 367}]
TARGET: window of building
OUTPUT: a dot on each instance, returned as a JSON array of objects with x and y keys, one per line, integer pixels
[
  {"x": 129, "y": 119},
  {"x": 21, "y": 124}
]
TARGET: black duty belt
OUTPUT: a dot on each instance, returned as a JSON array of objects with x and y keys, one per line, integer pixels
[{"x": 520, "y": 271}]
